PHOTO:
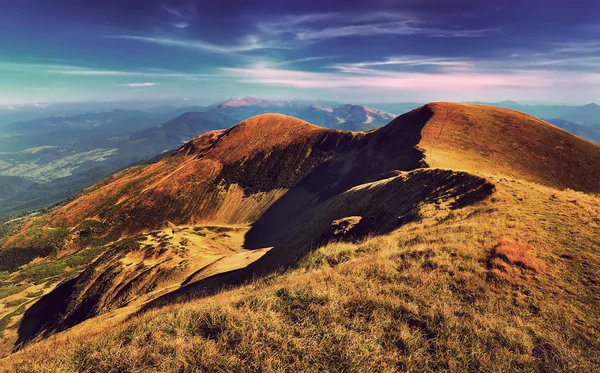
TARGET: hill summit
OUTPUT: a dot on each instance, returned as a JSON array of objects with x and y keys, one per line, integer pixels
[{"x": 451, "y": 186}]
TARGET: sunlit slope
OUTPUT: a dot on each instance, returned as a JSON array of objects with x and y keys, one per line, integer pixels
[
  {"x": 297, "y": 187},
  {"x": 236, "y": 175},
  {"x": 203, "y": 180},
  {"x": 509, "y": 283},
  {"x": 496, "y": 141}
]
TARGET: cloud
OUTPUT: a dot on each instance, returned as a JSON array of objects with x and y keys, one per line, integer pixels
[
  {"x": 187, "y": 12},
  {"x": 387, "y": 28},
  {"x": 138, "y": 85},
  {"x": 181, "y": 25},
  {"x": 577, "y": 47},
  {"x": 467, "y": 81},
  {"x": 249, "y": 43},
  {"x": 296, "y": 31},
  {"x": 92, "y": 71},
  {"x": 173, "y": 11},
  {"x": 369, "y": 67},
  {"x": 298, "y": 60},
  {"x": 309, "y": 27}
]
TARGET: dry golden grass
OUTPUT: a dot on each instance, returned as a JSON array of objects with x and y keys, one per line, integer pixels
[
  {"x": 495, "y": 141},
  {"x": 509, "y": 283},
  {"x": 517, "y": 253},
  {"x": 424, "y": 298}
]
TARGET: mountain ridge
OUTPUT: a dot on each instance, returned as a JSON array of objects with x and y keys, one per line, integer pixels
[{"x": 237, "y": 206}]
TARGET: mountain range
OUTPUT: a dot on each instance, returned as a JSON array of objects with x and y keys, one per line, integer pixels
[
  {"x": 279, "y": 232},
  {"x": 586, "y": 115},
  {"x": 63, "y": 154},
  {"x": 77, "y": 150}
]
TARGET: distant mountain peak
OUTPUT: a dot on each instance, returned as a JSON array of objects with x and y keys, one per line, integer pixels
[
  {"x": 248, "y": 101},
  {"x": 328, "y": 109}
]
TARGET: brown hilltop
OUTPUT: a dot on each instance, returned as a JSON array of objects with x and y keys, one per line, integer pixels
[
  {"x": 496, "y": 141},
  {"x": 282, "y": 187},
  {"x": 235, "y": 175},
  {"x": 209, "y": 177}
]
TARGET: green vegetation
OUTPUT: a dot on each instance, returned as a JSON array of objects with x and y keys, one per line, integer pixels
[
  {"x": 93, "y": 233},
  {"x": 10, "y": 226},
  {"x": 135, "y": 183},
  {"x": 8, "y": 318},
  {"x": 9, "y": 290},
  {"x": 11, "y": 259},
  {"x": 51, "y": 237},
  {"x": 35, "y": 294},
  {"x": 15, "y": 302},
  {"x": 42, "y": 241},
  {"x": 39, "y": 272},
  {"x": 4, "y": 275}
]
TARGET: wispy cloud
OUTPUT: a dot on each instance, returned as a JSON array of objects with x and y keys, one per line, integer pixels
[
  {"x": 581, "y": 56},
  {"x": 138, "y": 85},
  {"x": 93, "y": 71},
  {"x": 577, "y": 47},
  {"x": 183, "y": 16},
  {"x": 386, "y": 28},
  {"x": 249, "y": 43},
  {"x": 181, "y": 25},
  {"x": 173, "y": 11},
  {"x": 413, "y": 81},
  {"x": 186, "y": 12},
  {"x": 296, "y": 31},
  {"x": 369, "y": 67},
  {"x": 298, "y": 60},
  {"x": 312, "y": 27}
]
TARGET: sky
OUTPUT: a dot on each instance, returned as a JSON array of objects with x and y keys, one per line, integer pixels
[{"x": 350, "y": 51}]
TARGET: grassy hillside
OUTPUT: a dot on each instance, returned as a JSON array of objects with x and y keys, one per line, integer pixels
[
  {"x": 495, "y": 141},
  {"x": 450, "y": 239},
  {"x": 507, "y": 284}
]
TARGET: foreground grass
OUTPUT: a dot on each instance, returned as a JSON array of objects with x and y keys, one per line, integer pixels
[{"x": 507, "y": 285}]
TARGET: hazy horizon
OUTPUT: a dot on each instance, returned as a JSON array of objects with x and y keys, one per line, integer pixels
[{"x": 185, "y": 102}]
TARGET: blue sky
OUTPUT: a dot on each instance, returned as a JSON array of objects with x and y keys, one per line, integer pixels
[{"x": 351, "y": 51}]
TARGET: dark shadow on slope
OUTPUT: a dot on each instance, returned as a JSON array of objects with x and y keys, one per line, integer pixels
[
  {"x": 377, "y": 208},
  {"x": 297, "y": 222},
  {"x": 393, "y": 147},
  {"x": 44, "y": 312},
  {"x": 76, "y": 300}
]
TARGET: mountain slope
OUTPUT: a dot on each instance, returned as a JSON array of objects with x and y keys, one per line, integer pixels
[
  {"x": 591, "y": 133},
  {"x": 499, "y": 141},
  {"x": 300, "y": 186},
  {"x": 488, "y": 286},
  {"x": 64, "y": 147},
  {"x": 11, "y": 185},
  {"x": 586, "y": 115},
  {"x": 211, "y": 177},
  {"x": 83, "y": 158},
  {"x": 183, "y": 128}
]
